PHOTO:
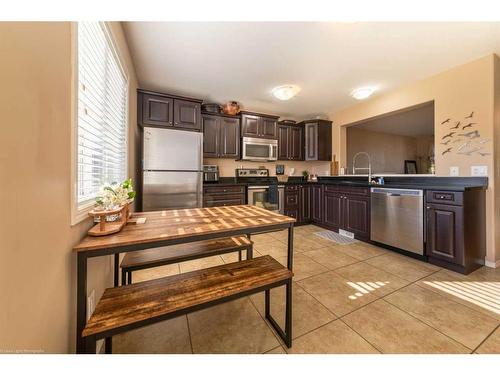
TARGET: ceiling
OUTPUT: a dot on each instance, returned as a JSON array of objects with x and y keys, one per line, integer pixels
[
  {"x": 412, "y": 122},
  {"x": 218, "y": 62}
]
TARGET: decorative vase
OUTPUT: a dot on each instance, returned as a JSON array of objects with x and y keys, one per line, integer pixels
[{"x": 231, "y": 108}]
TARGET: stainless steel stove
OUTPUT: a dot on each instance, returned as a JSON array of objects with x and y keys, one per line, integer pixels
[{"x": 263, "y": 190}]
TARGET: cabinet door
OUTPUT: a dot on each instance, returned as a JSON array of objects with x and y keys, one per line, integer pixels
[
  {"x": 187, "y": 115},
  {"x": 445, "y": 233},
  {"x": 333, "y": 210},
  {"x": 229, "y": 138},
  {"x": 211, "y": 130},
  {"x": 311, "y": 140},
  {"x": 157, "y": 110},
  {"x": 250, "y": 125},
  {"x": 283, "y": 131},
  {"x": 356, "y": 216},
  {"x": 267, "y": 128},
  {"x": 295, "y": 146},
  {"x": 317, "y": 203},
  {"x": 305, "y": 204}
]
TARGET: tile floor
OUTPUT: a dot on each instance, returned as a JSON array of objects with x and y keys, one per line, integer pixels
[{"x": 354, "y": 298}]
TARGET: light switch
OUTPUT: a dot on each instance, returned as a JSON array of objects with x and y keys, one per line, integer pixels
[
  {"x": 454, "y": 171},
  {"x": 479, "y": 170}
]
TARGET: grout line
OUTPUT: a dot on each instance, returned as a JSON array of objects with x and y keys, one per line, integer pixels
[
  {"x": 486, "y": 338},
  {"x": 189, "y": 334}
]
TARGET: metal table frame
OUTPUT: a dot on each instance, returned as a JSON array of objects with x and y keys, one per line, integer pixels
[{"x": 82, "y": 257}]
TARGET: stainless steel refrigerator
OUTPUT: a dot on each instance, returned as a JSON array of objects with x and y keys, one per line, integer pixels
[{"x": 172, "y": 169}]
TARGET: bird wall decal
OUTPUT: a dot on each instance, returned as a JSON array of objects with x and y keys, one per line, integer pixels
[
  {"x": 471, "y": 135},
  {"x": 447, "y": 150},
  {"x": 471, "y": 115},
  {"x": 449, "y": 135},
  {"x": 469, "y": 125},
  {"x": 468, "y": 153},
  {"x": 446, "y": 143},
  {"x": 456, "y": 125},
  {"x": 484, "y": 153},
  {"x": 457, "y": 140},
  {"x": 446, "y": 121}
]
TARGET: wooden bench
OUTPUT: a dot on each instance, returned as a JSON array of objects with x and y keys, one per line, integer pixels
[
  {"x": 144, "y": 259},
  {"x": 132, "y": 306}
]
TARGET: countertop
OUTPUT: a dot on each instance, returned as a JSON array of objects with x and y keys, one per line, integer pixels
[{"x": 424, "y": 182}]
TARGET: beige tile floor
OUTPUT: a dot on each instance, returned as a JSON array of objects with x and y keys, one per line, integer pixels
[{"x": 355, "y": 298}]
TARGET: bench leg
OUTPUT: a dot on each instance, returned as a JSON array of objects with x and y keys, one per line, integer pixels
[
  {"x": 89, "y": 345},
  {"x": 129, "y": 277},
  {"x": 239, "y": 256},
  {"x": 286, "y": 336},
  {"x": 108, "y": 345},
  {"x": 250, "y": 252},
  {"x": 124, "y": 277}
]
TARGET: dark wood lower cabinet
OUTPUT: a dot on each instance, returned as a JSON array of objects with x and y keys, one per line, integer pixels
[
  {"x": 225, "y": 195},
  {"x": 455, "y": 229},
  {"x": 317, "y": 210},
  {"x": 333, "y": 210}
]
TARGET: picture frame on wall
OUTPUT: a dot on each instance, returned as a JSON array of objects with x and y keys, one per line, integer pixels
[{"x": 411, "y": 167}]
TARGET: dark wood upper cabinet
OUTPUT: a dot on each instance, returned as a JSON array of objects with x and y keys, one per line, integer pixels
[
  {"x": 229, "y": 138},
  {"x": 290, "y": 142},
  {"x": 163, "y": 110},
  {"x": 221, "y": 136},
  {"x": 187, "y": 114},
  {"x": 157, "y": 110},
  {"x": 318, "y": 139},
  {"x": 211, "y": 136},
  {"x": 256, "y": 125}
]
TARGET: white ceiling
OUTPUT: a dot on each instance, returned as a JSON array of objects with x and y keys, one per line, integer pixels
[
  {"x": 411, "y": 123},
  {"x": 244, "y": 61}
]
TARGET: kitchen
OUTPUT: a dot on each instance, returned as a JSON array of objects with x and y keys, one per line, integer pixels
[{"x": 367, "y": 212}]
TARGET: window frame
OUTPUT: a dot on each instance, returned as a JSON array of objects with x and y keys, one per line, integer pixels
[{"x": 80, "y": 211}]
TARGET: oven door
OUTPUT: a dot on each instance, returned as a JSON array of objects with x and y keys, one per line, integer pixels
[
  {"x": 259, "y": 196},
  {"x": 259, "y": 149}
]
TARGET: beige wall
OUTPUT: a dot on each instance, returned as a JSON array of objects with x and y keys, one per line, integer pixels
[
  {"x": 496, "y": 154},
  {"x": 227, "y": 166},
  {"x": 387, "y": 151},
  {"x": 37, "y": 267},
  {"x": 455, "y": 92}
]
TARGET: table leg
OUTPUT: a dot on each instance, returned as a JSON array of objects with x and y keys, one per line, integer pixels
[
  {"x": 81, "y": 303},
  {"x": 290, "y": 247},
  {"x": 116, "y": 271}
]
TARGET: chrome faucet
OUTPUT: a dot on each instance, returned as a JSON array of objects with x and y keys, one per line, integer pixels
[{"x": 354, "y": 169}]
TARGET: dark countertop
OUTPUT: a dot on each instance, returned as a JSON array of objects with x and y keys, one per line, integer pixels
[{"x": 391, "y": 182}]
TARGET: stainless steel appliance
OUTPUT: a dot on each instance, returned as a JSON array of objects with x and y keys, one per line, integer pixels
[
  {"x": 172, "y": 175},
  {"x": 259, "y": 149},
  {"x": 260, "y": 189},
  {"x": 210, "y": 173},
  {"x": 397, "y": 218}
]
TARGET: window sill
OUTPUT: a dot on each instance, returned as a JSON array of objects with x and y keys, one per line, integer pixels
[{"x": 81, "y": 213}]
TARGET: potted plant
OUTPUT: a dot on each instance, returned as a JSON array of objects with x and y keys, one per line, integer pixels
[{"x": 305, "y": 175}]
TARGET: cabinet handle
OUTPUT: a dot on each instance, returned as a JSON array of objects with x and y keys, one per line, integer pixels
[
  {"x": 176, "y": 123},
  {"x": 170, "y": 122},
  {"x": 428, "y": 207}
]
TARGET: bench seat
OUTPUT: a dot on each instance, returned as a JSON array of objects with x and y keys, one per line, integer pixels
[
  {"x": 161, "y": 256},
  {"x": 131, "y": 306}
]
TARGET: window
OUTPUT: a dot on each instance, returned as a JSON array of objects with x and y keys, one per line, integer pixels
[{"x": 101, "y": 114}]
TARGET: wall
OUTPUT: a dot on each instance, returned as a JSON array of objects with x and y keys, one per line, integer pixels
[
  {"x": 227, "y": 166},
  {"x": 456, "y": 93},
  {"x": 387, "y": 151},
  {"x": 497, "y": 153},
  {"x": 37, "y": 267}
]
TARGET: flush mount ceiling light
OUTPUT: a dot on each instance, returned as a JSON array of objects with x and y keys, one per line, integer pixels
[
  {"x": 285, "y": 92},
  {"x": 362, "y": 93}
]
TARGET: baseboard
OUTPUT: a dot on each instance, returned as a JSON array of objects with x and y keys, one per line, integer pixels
[{"x": 490, "y": 264}]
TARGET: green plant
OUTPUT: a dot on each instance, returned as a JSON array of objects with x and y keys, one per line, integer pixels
[{"x": 305, "y": 173}]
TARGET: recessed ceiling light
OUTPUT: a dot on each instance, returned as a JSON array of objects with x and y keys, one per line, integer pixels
[
  {"x": 285, "y": 92},
  {"x": 362, "y": 93}
]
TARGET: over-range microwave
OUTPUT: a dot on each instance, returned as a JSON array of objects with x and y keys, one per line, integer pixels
[{"x": 259, "y": 149}]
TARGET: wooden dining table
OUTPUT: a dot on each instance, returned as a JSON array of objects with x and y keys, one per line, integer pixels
[{"x": 172, "y": 227}]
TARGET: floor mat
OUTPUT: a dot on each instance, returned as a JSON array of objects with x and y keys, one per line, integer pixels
[{"x": 335, "y": 237}]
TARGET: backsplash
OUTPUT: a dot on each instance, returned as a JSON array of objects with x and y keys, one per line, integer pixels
[{"x": 227, "y": 166}]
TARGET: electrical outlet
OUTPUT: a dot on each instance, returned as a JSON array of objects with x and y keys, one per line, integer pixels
[
  {"x": 479, "y": 170},
  {"x": 90, "y": 304},
  {"x": 454, "y": 171}
]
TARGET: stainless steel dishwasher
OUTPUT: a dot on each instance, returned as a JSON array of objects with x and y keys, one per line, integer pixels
[{"x": 397, "y": 218}]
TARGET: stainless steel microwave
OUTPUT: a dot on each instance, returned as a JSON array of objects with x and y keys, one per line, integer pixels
[{"x": 259, "y": 149}]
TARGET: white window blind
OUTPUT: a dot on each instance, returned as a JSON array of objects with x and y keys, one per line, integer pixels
[{"x": 102, "y": 112}]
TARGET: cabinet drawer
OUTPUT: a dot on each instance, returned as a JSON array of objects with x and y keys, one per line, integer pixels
[
  {"x": 331, "y": 188},
  {"x": 445, "y": 197},
  {"x": 354, "y": 190},
  {"x": 227, "y": 201},
  {"x": 291, "y": 187},
  {"x": 236, "y": 189}
]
